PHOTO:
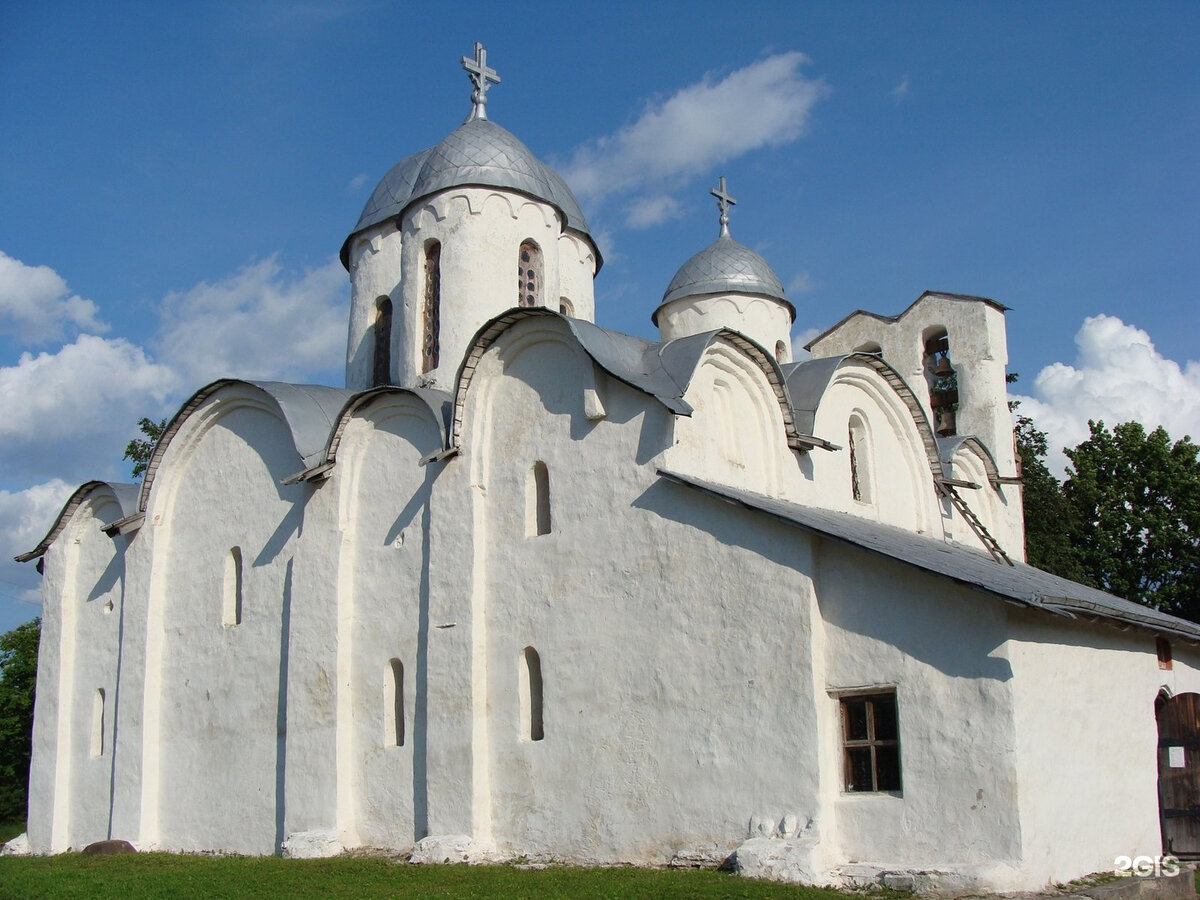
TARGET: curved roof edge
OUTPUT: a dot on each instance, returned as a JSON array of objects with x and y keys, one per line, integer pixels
[
  {"x": 951, "y": 445},
  {"x": 308, "y": 409},
  {"x": 808, "y": 381},
  {"x": 439, "y": 404},
  {"x": 126, "y": 494},
  {"x": 995, "y": 304},
  {"x": 663, "y": 371},
  {"x": 479, "y": 153}
]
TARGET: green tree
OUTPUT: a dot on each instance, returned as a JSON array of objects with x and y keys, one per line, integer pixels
[
  {"x": 1048, "y": 543},
  {"x": 141, "y": 449},
  {"x": 18, "y": 675},
  {"x": 1133, "y": 511}
]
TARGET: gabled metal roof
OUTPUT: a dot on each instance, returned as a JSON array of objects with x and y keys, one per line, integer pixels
[
  {"x": 663, "y": 370},
  {"x": 477, "y": 153},
  {"x": 309, "y": 410},
  {"x": 807, "y": 382},
  {"x": 724, "y": 267},
  {"x": 1018, "y": 582},
  {"x": 126, "y": 495}
]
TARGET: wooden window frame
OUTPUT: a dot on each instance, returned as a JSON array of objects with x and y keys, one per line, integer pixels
[{"x": 871, "y": 743}]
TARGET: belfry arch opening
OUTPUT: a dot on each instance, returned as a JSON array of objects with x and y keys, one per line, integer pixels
[{"x": 942, "y": 380}]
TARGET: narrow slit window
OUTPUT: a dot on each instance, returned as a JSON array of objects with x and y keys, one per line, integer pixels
[
  {"x": 431, "y": 309},
  {"x": 98, "y": 723},
  {"x": 870, "y": 743},
  {"x": 859, "y": 446},
  {"x": 529, "y": 274},
  {"x": 531, "y": 695},
  {"x": 565, "y": 307},
  {"x": 1163, "y": 648},
  {"x": 537, "y": 500},
  {"x": 781, "y": 352},
  {"x": 383, "y": 342},
  {"x": 231, "y": 612},
  {"x": 393, "y": 713}
]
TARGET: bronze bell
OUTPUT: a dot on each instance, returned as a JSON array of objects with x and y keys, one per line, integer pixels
[{"x": 944, "y": 369}]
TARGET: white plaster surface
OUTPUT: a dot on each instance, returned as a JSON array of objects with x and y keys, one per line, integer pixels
[
  {"x": 764, "y": 320},
  {"x": 692, "y": 653}
]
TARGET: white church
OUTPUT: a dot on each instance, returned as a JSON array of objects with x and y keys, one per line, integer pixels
[{"x": 528, "y": 587}]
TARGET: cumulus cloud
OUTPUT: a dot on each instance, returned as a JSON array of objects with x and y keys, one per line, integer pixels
[
  {"x": 260, "y": 322},
  {"x": 654, "y": 210},
  {"x": 59, "y": 410},
  {"x": 767, "y": 103},
  {"x": 799, "y": 339},
  {"x": 37, "y": 306},
  {"x": 25, "y": 517},
  {"x": 802, "y": 283},
  {"x": 1118, "y": 376}
]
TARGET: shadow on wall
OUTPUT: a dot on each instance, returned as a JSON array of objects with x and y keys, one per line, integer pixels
[
  {"x": 729, "y": 524},
  {"x": 948, "y": 628},
  {"x": 951, "y": 628}
]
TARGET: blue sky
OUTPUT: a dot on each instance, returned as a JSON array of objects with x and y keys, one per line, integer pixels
[{"x": 176, "y": 180}]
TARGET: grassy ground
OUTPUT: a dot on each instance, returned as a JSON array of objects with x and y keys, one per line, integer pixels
[
  {"x": 9, "y": 830},
  {"x": 169, "y": 875}
]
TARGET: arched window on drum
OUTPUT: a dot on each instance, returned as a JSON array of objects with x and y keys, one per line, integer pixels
[{"x": 529, "y": 274}]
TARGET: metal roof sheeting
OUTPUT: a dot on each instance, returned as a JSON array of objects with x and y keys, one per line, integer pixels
[
  {"x": 1019, "y": 582},
  {"x": 126, "y": 495},
  {"x": 725, "y": 267},
  {"x": 477, "y": 153}
]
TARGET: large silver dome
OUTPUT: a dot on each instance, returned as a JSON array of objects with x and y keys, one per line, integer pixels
[
  {"x": 479, "y": 153},
  {"x": 725, "y": 267}
]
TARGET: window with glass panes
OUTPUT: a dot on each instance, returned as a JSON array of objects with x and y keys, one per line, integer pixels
[{"x": 871, "y": 742}]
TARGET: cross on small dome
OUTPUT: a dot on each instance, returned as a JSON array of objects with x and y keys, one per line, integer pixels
[
  {"x": 724, "y": 201},
  {"x": 482, "y": 77}
]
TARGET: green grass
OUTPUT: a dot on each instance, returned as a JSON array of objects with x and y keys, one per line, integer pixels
[
  {"x": 9, "y": 830},
  {"x": 171, "y": 875}
]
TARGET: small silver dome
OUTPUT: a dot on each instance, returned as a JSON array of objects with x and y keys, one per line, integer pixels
[
  {"x": 725, "y": 267},
  {"x": 478, "y": 153}
]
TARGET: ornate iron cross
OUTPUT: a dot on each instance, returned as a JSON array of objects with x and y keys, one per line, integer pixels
[
  {"x": 724, "y": 201},
  {"x": 482, "y": 77}
]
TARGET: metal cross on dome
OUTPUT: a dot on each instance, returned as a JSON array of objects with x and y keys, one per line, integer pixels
[
  {"x": 724, "y": 201},
  {"x": 482, "y": 77}
]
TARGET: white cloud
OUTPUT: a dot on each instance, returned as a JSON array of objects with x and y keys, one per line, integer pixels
[
  {"x": 1118, "y": 376},
  {"x": 900, "y": 91},
  {"x": 259, "y": 322},
  {"x": 74, "y": 391},
  {"x": 71, "y": 412},
  {"x": 654, "y": 210},
  {"x": 764, "y": 104},
  {"x": 802, "y": 283},
  {"x": 356, "y": 183},
  {"x": 25, "y": 517},
  {"x": 799, "y": 354},
  {"x": 36, "y": 305}
]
